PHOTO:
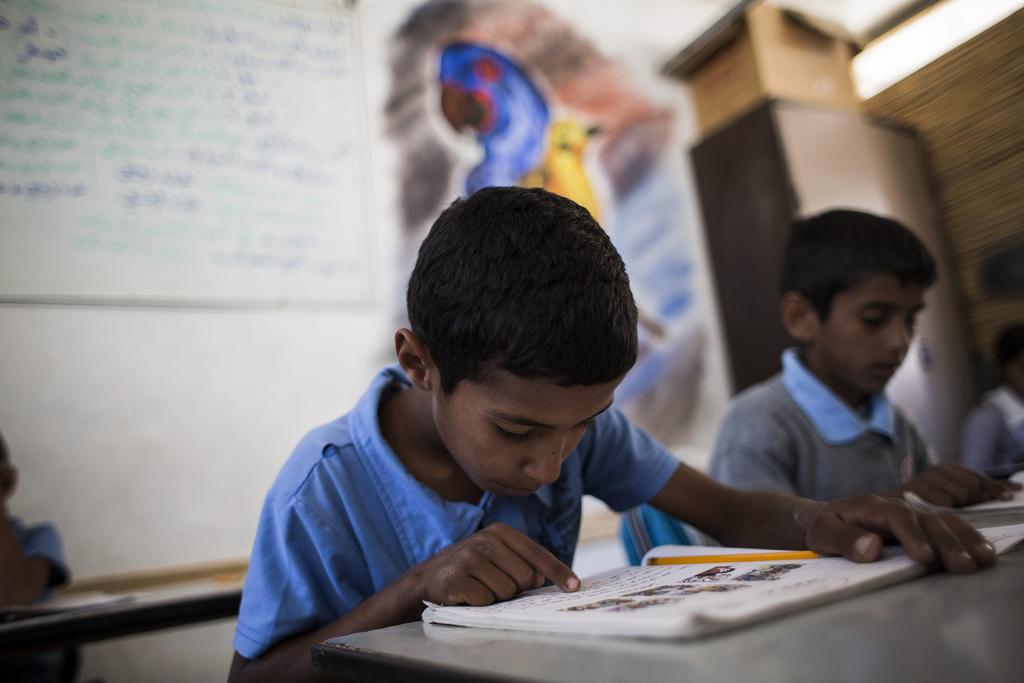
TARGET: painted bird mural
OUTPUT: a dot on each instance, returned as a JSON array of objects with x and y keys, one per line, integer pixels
[
  {"x": 485, "y": 91},
  {"x": 562, "y": 170}
]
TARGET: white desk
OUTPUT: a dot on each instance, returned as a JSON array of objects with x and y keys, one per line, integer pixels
[
  {"x": 161, "y": 599},
  {"x": 938, "y": 628}
]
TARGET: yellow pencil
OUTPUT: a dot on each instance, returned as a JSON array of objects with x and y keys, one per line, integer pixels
[{"x": 736, "y": 557}]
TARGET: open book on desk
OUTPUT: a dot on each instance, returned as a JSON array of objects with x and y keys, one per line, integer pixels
[{"x": 694, "y": 600}]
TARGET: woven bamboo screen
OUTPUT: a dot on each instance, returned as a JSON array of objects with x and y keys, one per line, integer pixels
[{"x": 968, "y": 107}]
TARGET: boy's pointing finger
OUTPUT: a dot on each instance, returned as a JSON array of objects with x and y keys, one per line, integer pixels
[{"x": 540, "y": 559}]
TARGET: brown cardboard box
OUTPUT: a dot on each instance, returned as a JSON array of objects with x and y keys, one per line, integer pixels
[{"x": 755, "y": 52}]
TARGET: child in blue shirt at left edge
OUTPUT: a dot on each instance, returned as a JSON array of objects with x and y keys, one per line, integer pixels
[
  {"x": 458, "y": 476},
  {"x": 31, "y": 555}
]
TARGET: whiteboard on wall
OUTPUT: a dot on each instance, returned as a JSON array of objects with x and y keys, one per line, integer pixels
[{"x": 183, "y": 152}]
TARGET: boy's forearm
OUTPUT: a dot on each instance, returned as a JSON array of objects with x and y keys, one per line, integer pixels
[
  {"x": 734, "y": 517},
  {"x": 398, "y": 603},
  {"x": 767, "y": 520}
]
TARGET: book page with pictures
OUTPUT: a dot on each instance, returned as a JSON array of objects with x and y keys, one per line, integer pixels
[{"x": 680, "y": 601}]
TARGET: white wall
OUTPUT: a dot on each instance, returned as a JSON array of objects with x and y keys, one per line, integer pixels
[{"x": 150, "y": 436}]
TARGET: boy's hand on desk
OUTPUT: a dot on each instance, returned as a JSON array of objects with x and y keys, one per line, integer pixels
[
  {"x": 953, "y": 485},
  {"x": 493, "y": 564},
  {"x": 857, "y": 528}
]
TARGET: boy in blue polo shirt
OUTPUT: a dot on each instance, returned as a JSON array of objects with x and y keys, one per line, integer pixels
[
  {"x": 31, "y": 564},
  {"x": 31, "y": 555},
  {"x": 458, "y": 477},
  {"x": 852, "y": 285}
]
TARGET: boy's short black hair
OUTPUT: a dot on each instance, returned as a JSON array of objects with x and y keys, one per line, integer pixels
[
  {"x": 5, "y": 455},
  {"x": 1010, "y": 344},
  {"x": 527, "y": 281},
  {"x": 835, "y": 250}
]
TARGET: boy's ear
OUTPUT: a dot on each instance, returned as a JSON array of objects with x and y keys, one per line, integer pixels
[
  {"x": 799, "y": 318},
  {"x": 414, "y": 357}
]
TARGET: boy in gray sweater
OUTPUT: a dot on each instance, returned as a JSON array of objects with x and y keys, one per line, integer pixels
[{"x": 852, "y": 286}]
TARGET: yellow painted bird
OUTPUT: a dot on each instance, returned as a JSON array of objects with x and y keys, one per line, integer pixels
[{"x": 562, "y": 170}]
